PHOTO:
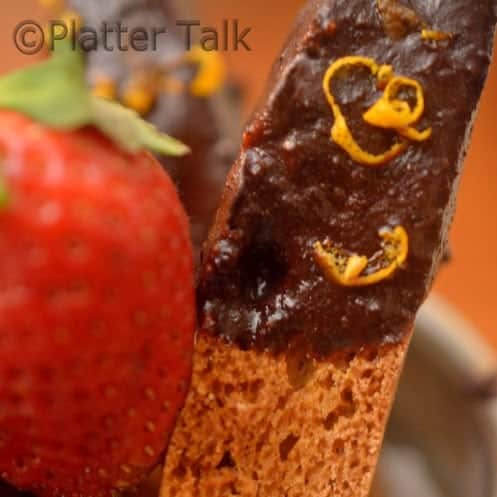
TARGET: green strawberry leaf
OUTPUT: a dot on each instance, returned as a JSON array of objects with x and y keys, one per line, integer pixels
[
  {"x": 126, "y": 127},
  {"x": 51, "y": 92},
  {"x": 55, "y": 93}
]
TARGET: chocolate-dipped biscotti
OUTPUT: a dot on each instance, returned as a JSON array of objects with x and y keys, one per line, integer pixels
[
  {"x": 185, "y": 93},
  {"x": 332, "y": 226}
]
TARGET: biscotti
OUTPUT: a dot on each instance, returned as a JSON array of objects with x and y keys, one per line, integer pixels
[
  {"x": 332, "y": 226},
  {"x": 184, "y": 93}
]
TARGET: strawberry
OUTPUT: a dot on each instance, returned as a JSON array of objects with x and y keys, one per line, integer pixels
[
  {"x": 96, "y": 293},
  {"x": 8, "y": 491}
]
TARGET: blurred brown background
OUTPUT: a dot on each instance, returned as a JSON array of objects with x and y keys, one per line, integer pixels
[{"x": 470, "y": 281}]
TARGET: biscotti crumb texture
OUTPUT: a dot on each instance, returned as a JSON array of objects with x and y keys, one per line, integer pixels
[{"x": 281, "y": 427}]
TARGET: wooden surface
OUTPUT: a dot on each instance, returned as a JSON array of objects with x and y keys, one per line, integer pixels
[{"x": 470, "y": 280}]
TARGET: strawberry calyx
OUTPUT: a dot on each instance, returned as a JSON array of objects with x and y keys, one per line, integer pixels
[{"x": 55, "y": 93}]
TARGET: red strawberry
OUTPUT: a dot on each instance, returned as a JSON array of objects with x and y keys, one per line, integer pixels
[
  {"x": 8, "y": 491},
  {"x": 96, "y": 311}
]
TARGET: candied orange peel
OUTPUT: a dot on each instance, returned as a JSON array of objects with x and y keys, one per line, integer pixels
[
  {"x": 389, "y": 112},
  {"x": 350, "y": 270}
]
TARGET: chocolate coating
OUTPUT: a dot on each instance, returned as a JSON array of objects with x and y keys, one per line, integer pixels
[{"x": 293, "y": 186}]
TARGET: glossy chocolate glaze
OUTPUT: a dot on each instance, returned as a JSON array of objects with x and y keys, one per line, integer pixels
[
  {"x": 209, "y": 126},
  {"x": 292, "y": 186}
]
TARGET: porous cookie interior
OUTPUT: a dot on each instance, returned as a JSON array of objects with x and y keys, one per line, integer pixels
[{"x": 259, "y": 426}]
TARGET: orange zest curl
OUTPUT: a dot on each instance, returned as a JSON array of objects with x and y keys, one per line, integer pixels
[
  {"x": 432, "y": 35},
  {"x": 211, "y": 73},
  {"x": 348, "y": 270},
  {"x": 105, "y": 87},
  {"x": 388, "y": 112},
  {"x": 391, "y": 113},
  {"x": 139, "y": 98}
]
